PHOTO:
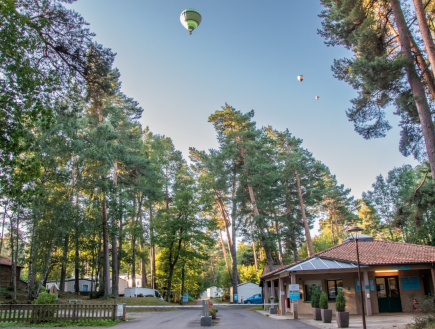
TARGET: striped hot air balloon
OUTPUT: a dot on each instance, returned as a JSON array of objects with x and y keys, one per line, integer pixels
[{"x": 190, "y": 18}]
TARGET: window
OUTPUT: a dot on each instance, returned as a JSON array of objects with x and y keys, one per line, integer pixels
[
  {"x": 333, "y": 286},
  {"x": 307, "y": 288}
]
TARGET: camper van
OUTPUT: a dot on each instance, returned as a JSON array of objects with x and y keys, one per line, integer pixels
[{"x": 143, "y": 292}]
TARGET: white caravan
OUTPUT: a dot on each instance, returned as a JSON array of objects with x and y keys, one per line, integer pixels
[{"x": 144, "y": 292}]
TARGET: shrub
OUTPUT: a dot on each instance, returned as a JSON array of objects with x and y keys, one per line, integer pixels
[
  {"x": 140, "y": 295},
  {"x": 323, "y": 302},
  {"x": 425, "y": 318},
  {"x": 315, "y": 296},
  {"x": 340, "y": 302},
  {"x": 96, "y": 294},
  {"x": 45, "y": 298},
  {"x": 46, "y": 311}
]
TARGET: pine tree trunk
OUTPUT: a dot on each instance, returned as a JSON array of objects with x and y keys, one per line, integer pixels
[
  {"x": 31, "y": 279},
  {"x": 171, "y": 273},
  {"x": 115, "y": 267},
  {"x": 133, "y": 246},
  {"x": 224, "y": 250},
  {"x": 106, "y": 259},
  {"x": 257, "y": 214},
  {"x": 233, "y": 253},
  {"x": 64, "y": 264},
  {"x": 13, "y": 267},
  {"x": 425, "y": 32},
  {"x": 419, "y": 59},
  {"x": 182, "y": 283},
  {"x": 152, "y": 251},
  {"x": 47, "y": 265},
  {"x": 120, "y": 239},
  {"x": 416, "y": 85},
  {"x": 16, "y": 257},
  {"x": 143, "y": 272},
  {"x": 295, "y": 252},
  {"x": 336, "y": 220},
  {"x": 254, "y": 249},
  {"x": 304, "y": 218},
  {"x": 77, "y": 264},
  {"x": 278, "y": 237},
  {"x": 332, "y": 228},
  {"x": 5, "y": 211}
]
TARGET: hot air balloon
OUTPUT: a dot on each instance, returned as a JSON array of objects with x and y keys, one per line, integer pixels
[
  {"x": 190, "y": 18},
  {"x": 317, "y": 97},
  {"x": 300, "y": 78}
]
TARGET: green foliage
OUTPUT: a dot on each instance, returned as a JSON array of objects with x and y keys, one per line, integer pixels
[
  {"x": 340, "y": 301},
  {"x": 248, "y": 273},
  {"x": 377, "y": 69},
  {"x": 323, "y": 301},
  {"x": 46, "y": 298},
  {"x": 315, "y": 296}
]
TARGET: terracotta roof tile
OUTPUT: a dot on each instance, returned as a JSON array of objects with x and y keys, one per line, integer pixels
[
  {"x": 381, "y": 253},
  {"x": 7, "y": 262},
  {"x": 267, "y": 272},
  {"x": 372, "y": 253}
]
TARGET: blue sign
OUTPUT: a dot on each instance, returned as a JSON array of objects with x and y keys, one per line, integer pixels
[
  {"x": 399, "y": 267},
  {"x": 185, "y": 297},
  {"x": 235, "y": 297},
  {"x": 410, "y": 282},
  {"x": 370, "y": 287},
  {"x": 293, "y": 295}
]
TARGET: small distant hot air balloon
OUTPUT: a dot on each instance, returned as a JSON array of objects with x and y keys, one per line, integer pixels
[
  {"x": 300, "y": 78},
  {"x": 317, "y": 97},
  {"x": 190, "y": 18}
]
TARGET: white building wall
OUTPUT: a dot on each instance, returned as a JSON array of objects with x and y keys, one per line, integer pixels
[{"x": 247, "y": 290}]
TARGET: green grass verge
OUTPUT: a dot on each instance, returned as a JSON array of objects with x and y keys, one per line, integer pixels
[{"x": 67, "y": 323}]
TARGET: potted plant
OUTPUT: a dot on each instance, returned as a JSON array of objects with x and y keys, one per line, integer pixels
[
  {"x": 213, "y": 312},
  {"x": 341, "y": 315},
  {"x": 315, "y": 298},
  {"x": 324, "y": 311}
]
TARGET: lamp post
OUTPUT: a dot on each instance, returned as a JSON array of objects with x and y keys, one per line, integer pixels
[{"x": 357, "y": 229}]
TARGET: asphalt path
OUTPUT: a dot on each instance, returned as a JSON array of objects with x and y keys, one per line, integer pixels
[{"x": 227, "y": 317}]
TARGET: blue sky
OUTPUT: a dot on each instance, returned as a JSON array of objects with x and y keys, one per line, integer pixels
[{"x": 248, "y": 54}]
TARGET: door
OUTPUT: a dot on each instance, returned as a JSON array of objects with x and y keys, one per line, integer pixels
[{"x": 388, "y": 292}]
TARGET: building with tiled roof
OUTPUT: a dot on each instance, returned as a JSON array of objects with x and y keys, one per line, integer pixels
[
  {"x": 6, "y": 273},
  {"x": 393, "y": 275}
]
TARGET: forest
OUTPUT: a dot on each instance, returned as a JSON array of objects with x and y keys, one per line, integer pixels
[{"x": 87, "y": 191}]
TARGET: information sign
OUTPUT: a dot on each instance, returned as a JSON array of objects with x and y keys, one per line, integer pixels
[
  {"x": 409, "y": 283},
  {"x": 294, "y": 295},
  {"x": 293, "y": 287}
]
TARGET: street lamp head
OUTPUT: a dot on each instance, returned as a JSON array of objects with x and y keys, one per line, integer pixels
[{"x": 356, "y": 230}]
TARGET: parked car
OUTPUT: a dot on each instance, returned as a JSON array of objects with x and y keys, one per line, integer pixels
[{"x": 256, "y": 299}]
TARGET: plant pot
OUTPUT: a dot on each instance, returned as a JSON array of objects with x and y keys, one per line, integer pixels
[
  {"x": 213, "y": 316},
  {"x": 317, "y": 314},
  {"x": 326, "y": 315},
  {"x": 342, "y": 319}
]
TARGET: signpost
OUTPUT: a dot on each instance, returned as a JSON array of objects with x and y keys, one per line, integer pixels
[{"x": 294, "y": 296}]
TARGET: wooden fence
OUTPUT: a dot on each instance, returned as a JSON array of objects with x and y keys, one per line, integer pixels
[{"x": 53, "y": 313}]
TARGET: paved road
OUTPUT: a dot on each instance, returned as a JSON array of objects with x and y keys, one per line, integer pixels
[{"x": 228, "y": 317}]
